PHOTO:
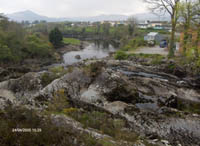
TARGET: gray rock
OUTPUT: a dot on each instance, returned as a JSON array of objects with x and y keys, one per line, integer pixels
[{"x": 78, "y": 57}]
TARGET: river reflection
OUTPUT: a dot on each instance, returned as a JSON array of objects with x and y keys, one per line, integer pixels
[{"x": 94, "y": 50}]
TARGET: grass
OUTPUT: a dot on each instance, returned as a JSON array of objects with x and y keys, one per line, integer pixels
[
  {"x": 121, "y": 55},
  {"x": 71, "y": 41},
  {"x": 101, "y": 121},
  {"x": 135, "y": 43},
  {"x": 54, "y": 73}
]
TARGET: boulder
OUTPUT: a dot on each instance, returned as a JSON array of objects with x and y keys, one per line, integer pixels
[{"x": 78, "y": 57}]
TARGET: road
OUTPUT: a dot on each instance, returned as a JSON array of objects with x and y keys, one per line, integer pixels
[{"x": 151, "y": 50}]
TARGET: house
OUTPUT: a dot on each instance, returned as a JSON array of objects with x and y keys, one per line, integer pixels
[
  {"x": 154, "y": 36},
  {"x": 158, "y": 25},
  {"x": 143, "y": 25}
]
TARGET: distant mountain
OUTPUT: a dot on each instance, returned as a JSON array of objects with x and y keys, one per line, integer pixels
[
  {"x": 31, "y": 16},
  {"x": 151, "y": 17},
  {"x": 102, "y": 18},
  {"x": 26, "y": 15}
]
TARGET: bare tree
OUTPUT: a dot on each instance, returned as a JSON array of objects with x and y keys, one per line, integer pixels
[{"x": 172, "y": 8}]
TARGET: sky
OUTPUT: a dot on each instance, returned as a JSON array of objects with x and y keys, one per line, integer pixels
[{"x": 73, "y": 8}]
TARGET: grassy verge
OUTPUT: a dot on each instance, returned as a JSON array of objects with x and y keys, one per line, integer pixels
[{"x": 71, "y": 41}]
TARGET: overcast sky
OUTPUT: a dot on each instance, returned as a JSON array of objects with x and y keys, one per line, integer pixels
[{"x": 73, "y": 8}]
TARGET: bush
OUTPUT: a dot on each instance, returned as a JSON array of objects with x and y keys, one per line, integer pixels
[
  {"x": 49, "y": 134},
  {"x": 134, "y": 44},
  {"x": 157, "y": 60},
  {"x": 59, "y": 102},
  {"x": 37, "y": 47},
  {"x": 93, "y": 69},
  {"x": 5, "y": 54},
  {"x": 55, "y": 73},
  {"x": 121, "y": 55},
  {"x": 47, "y": 78}
]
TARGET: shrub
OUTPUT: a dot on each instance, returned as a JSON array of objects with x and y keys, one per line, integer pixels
[
  {"x": 47, "y": 78},
  {"x": 36, "y": 46},
  {"x": 120, "y": 55},
  {"x": 55, "y": 72},
  {"x": 50, "y": 134},
  {"x": 58, "y": 70},
  {"x": 59, "y": 102},
  {"x": 157, "y": 60},
  {"x": 5, "y": 54},
  {"x": 93, "y": 69},
  {"x": 134, "y": 44}
]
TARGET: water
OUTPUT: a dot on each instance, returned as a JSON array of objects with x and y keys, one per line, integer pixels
[{"x": 94, "y": 50}]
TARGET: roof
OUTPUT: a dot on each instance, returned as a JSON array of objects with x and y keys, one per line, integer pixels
[
  {"x": 152, "y": 34},
  {"x": 158, "y": 21}
]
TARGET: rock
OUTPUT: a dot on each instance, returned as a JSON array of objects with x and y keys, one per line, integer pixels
[
  {"x": 116, "y": 107},
  {"x": 75, "y": 127},
  {"x": 78, "y": 57},
  {"x": 6, "y": 98},
  {"x": 165, "y": 142},
  {"x": 90, "y": 95},
  {"x": 118, "y": 87}
]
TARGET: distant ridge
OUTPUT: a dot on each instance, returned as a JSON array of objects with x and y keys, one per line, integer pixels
[{"x": 32, "y": 16}]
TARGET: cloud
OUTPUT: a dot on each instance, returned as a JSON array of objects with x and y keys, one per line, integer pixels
[{"x": 74, "y": 8}]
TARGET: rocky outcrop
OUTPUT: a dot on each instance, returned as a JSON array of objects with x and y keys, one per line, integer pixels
[{"x": 157, "y": 105}]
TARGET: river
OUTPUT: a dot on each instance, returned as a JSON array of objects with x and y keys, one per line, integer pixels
[{"x": 93, "y": 50}]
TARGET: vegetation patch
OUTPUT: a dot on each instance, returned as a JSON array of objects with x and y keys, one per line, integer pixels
[
  {"x": 47, "y": 132},
  {"x": 101, "y": 121},
  {"x": 134, "y": 44},
  {"x": 121, "y": 55},
  {"x": 188, "y": 107},
  {"x": 71, "y": 41},
  {"x": 54, "y": 73},
  {"x": 157, "y": 60},
  {"x": 93, "y": 69}
]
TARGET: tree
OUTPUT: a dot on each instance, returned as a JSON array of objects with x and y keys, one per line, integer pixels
[
  {"x": 97, "y": 28},
  {"x": 83, "y": 30},
  {"x": 130, "y": 30},
  {"x": 196, "y": 21},
  {"x": 3, "y": 22},
  {"x": 35, "y": 22},
  {"x": 56, "y": 37},
  {"x": 187, "y": 12},
  {"x": 106, "y": 29},
  {"x": 36, "y": 46},
  {"x": 132, "y": 25},
  {"x": 172, "y": 8},
  {"x": 5, "y": 54}
]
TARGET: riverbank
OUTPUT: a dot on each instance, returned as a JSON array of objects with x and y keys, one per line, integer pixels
[{"x": 13, "y": 71}]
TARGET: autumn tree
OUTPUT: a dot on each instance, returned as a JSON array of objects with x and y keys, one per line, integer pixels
[{"x": 172, "y": 8}]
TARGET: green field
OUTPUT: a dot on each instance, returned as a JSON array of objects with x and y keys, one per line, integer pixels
[{"x": 71, "y": 41}]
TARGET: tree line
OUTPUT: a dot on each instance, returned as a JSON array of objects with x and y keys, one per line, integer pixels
[
  {"x": 18, "y": 44},
  {"x": 183, "y": 12}
]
